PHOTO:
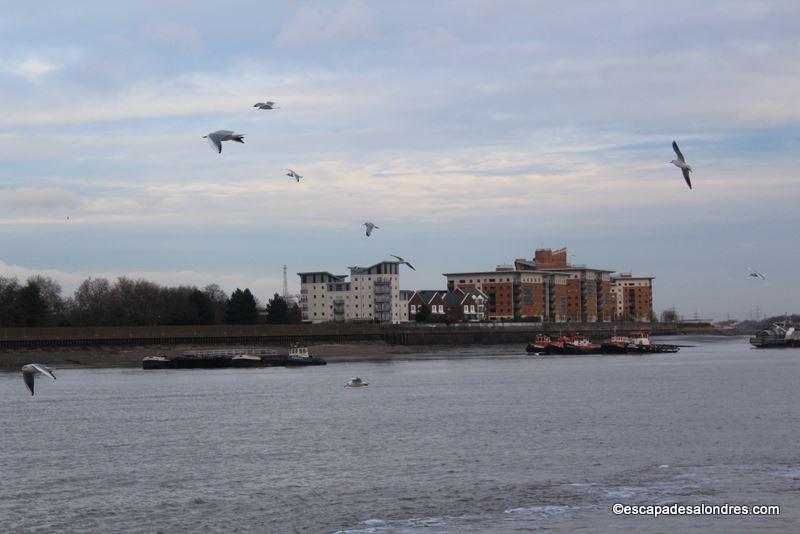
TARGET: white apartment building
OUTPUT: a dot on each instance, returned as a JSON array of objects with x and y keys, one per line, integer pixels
[{"x": 371, "y": 295}]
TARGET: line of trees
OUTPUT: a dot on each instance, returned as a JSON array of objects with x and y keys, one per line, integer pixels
[{"x": 127, "y": 302}]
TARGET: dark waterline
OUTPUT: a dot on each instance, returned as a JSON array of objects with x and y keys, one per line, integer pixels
[{"x": 501, "y": 444}]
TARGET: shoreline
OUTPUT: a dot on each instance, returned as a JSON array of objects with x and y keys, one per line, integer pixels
[
  {"x": 108, "y": 357},
  {"x": 367, "y": 351}
]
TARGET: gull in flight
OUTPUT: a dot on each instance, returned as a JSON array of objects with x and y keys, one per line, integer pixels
[
  {"x": 30, "y": 370},
  {"x": 681, "y": 164},
  {"x": 293, "y": 174},
  {"x": 265, "y": 105},
  {"x": 401, "y": 260},
  {"x": 756, "y": 274},
  {"x": 370, "y": 227},
  {"x": 215, "y": 139}
]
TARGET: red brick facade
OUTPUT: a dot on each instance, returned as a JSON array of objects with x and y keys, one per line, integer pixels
[{"x": 549, "y": 288}]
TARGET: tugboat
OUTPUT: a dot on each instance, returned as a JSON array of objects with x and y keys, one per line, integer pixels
[
  {"x": 616, "y": 345},
  {"x": 356, "y": 382},
  {"x": 559, "y": 346},
  {"x": 580, "y": 345},
  {"x": 636, "y": 343},
  {"x": 776, "y": 336},
  {"x": 298, "y": 355},
  {"x": 539, "y": 344}
]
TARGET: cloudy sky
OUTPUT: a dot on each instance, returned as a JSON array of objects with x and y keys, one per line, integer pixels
[{"x": 471, "y": 132}]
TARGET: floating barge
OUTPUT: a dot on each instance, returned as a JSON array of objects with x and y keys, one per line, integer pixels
[
  {"x": 216, "y": 359},
  {"x": 636, "y": 343},
  {"x": 776, "y": 337}
]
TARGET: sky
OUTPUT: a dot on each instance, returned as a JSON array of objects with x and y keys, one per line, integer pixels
[{"x": 471, "y": 132}]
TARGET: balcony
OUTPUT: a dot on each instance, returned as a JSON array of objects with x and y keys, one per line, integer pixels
[{"x": 382, "y": 289}]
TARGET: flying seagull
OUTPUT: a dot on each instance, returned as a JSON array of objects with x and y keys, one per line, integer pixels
[
  {"x": 401, "y": 260},
  {"x": 756, "y": 274},
  {"x": 29, "y": 373},
  {"x": 681, "y": 164},
  {"x": 215, "y": 139},
  {"x": 370, "y": 227},
  {"x": 293, "y": 174},
  {"x": 265, "y": 105}
]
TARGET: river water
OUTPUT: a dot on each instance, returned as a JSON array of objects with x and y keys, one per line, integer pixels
[{"x": 491, "y": 441}]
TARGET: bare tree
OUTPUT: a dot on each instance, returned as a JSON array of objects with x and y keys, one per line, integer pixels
[
  {"x": 219, "y": 300},
  {"x": 9, "y": 287}
]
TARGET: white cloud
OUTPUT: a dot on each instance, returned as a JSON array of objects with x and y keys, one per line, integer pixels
[
  {"x": 313, "y": 25},
  {"x": 199, "y": 94},
  {"x": 32, "y": 69},
  {"x": 30, "y": 197},
  {"x": 436, "y": 39},
  {"x": 183, "y": 36}
]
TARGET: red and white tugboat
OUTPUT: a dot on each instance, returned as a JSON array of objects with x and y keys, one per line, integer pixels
[
  {"x": 581, "y": 345},
  {"x": 539, "y": 344}
]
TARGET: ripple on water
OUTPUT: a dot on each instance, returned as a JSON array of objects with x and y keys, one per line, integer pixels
[{"x": 463, "y": 445}]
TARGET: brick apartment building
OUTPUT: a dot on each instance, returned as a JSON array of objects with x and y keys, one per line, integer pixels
[
  {"x": 548, "y": 288},
  {"x": 545, "y": 288},
  {"x": 633, "y": 297}
]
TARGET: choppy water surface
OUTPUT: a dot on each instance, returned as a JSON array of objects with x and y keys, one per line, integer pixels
[{"x": 501, "y": 443}]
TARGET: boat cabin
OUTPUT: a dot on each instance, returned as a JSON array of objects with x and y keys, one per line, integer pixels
[
  {"x": 640, "y": 338},
  {"x": 298, "y": 351}
]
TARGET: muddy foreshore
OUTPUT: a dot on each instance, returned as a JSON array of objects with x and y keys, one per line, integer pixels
[
  {"x": 356, "y": 351},
  {"x": 132, "y": 356}
]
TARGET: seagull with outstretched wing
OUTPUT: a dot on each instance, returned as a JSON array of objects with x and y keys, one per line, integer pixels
[
  {"x": 404, "y": 262},
  {"x": 215, "y": 139},
  {"x": 29, "y": 372},
  {"x": 370, "y": 227},
  {"x": 293, "y": 174},
  {"x": 681, "y": 164},
  {"x": 756, "y": 274},
  {"x": 265, "y": 105}
]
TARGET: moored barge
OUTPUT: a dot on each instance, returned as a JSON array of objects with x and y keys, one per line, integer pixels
[
  {"x": 215, "y": 359},
  {"x": 636, "y": 343},
  {"x": 776, "y": 337}
]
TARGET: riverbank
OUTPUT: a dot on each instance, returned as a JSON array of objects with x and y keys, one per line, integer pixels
[
  {"x": 132, "y": 356},
  {"x": 372, "y": 351}
]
